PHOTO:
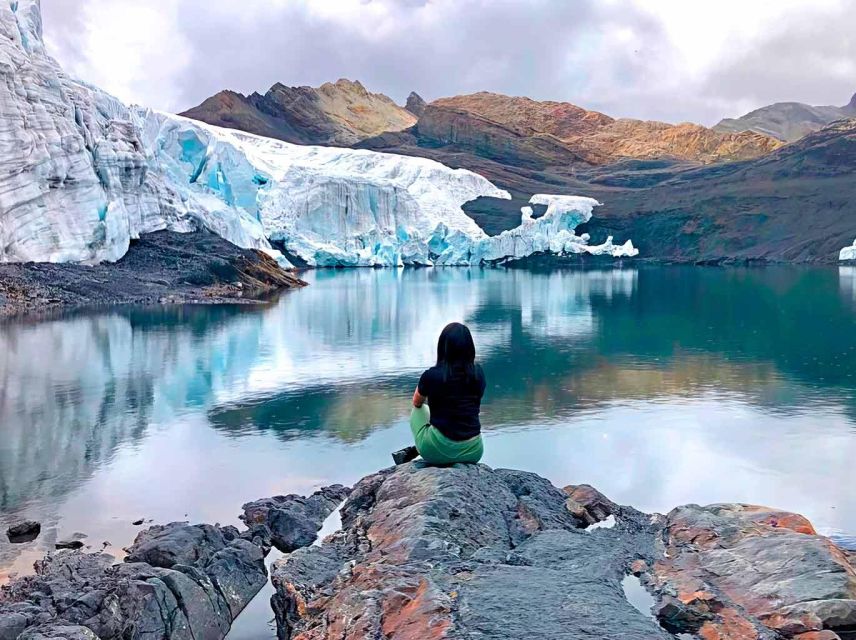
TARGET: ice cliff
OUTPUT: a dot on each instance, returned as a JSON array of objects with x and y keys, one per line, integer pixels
[
  {"x": 84, "y": 175},
  {"x": 848, "y": 253},
  {"x": 327, "y": 206}
]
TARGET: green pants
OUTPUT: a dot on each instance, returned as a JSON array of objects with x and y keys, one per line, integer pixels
[{"x": 437, "y": 449}]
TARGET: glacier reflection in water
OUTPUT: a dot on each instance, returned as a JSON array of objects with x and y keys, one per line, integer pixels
[{"x": 660, "y": 386}]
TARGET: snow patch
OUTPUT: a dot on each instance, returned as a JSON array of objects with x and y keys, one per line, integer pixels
[{"x": 607, "y": 523}]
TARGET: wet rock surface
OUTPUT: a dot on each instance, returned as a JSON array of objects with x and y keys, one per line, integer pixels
[
  {"x": 178, "y": 581},
  {"x": 162, "y": 267},
  {"x": 470, "y": 552},
  {"x": 290, "y": 522}
]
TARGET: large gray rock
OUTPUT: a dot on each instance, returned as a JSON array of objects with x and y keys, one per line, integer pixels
[
  {"x": 465, "y": 552},
  {"x": 200, "y": 582}
]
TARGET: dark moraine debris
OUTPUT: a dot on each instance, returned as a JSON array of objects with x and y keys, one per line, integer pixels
[
  {"x": 26, "y": 531},
  {"x": 290, "y": 522},
  {"x": 160, "y": 268},
  {"x": 178, "y": 581},
  {"x": 470, "y": 552},
  {"x": 69, "y": 544}
]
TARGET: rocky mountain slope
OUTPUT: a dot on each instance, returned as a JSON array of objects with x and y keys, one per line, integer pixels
[
  {"x": 337, "y": 113},
  {"x": 787, "y": 121},
  {"x": 793, "y": 205},
  {"x": 589, "y": 135}
]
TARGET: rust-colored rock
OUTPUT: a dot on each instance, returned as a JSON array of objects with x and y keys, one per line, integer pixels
[
  {"x": 595, "y": 137},
  {"x": 589, "y": 504},
  {"x": 760, "y": 571},
  {"x": 469, "y": 552}
]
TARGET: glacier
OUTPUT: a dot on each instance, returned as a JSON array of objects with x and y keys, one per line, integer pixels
[
  {"x": 85, "y": 174},
  {"x": 848, "y": 253},
  {"x": 327, "y": 206}
]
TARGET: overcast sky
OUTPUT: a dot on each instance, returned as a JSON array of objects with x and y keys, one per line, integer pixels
[{"x": 672, "y": 60}]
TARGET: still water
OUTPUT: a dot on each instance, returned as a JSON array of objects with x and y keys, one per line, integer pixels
[{"x": 660, "y": 386}]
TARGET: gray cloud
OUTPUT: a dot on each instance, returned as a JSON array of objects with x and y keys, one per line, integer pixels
[
  {"x": 615, "y": 57},
  {"x": 808, "y": 56}
]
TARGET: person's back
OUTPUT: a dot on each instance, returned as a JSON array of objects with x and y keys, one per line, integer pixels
[
  {"x": 455, "y": 395},
  {"x": 450, "y": 432}
]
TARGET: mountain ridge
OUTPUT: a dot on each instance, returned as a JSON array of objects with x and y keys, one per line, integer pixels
[
  {"x": 787, "y": 121},
  {"x": 337, "y": 113}
]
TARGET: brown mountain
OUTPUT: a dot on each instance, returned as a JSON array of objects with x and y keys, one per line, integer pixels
[
  {"x": 588, "y": 135},
  {"x": 340, "y": 113}
]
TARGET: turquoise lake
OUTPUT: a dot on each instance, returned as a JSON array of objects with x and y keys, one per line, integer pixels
[{"x": 658, "y": 385}]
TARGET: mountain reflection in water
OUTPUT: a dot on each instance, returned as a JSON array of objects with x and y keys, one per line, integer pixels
[{"x": 658, "y": 385}]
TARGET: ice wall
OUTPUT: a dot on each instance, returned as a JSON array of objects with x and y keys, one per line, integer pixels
[
  {"x": 325, "y": 206},
  {"x": 848, "y": 253},
  {"x": 341, "y": 207}
]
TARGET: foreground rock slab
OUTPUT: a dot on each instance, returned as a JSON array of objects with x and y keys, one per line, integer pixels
[
  {"x": 178, "y": 581},
  {"x": 470, "y": 552},
  {"x": 463, "y": 553}
]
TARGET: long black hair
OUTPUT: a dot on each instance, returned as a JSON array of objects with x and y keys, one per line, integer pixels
[{"x": 456, "y": 351}]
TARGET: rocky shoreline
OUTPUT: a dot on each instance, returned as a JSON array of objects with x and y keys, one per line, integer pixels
[
  {"x": 160, "y": 268},
  {"x": 463, "y": 552}
]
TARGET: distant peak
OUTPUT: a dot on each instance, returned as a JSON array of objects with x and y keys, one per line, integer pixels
[
  {"x": 415, "y": 104},
  {"x": 851, "y": 106},
  {"x": 349, "y": 85}
]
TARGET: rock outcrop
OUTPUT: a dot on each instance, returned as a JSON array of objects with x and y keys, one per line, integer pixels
[
  {"x": 787, "y": 121},
  {"x": 415, "y": 104},
  {"x": 739, "y": 571},
  {"x": 470, "y": 552},
  {"x": 291, "y": 522},
  {"x": 178, "y": 582},
  {"x": 337, "y": 113}
]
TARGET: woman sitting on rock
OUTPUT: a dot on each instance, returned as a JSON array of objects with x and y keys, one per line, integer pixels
[{"x": 450, "y": 431}]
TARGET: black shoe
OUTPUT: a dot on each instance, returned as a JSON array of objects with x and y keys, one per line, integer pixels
[{"x": 405, "y": 455}]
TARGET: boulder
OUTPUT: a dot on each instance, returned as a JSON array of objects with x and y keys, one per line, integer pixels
[
  {"x": 763, "y": 571},
  {"x": 178, "y": 581},
  {"x": 26, "y": 531},
  {"x": 290, "y": 522}
]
